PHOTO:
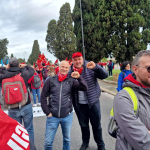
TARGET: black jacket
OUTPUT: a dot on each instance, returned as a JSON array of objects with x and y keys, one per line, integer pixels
[
  {"x": 2, "y": 70},
  {"x": 26, "y": 75},
  {"x": 60, "y": 101}
]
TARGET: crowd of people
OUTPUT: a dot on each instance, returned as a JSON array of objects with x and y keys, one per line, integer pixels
[{"x": 74, "y": 85}]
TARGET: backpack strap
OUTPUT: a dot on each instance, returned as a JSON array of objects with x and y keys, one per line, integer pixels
[
  {"x": 134, "y": 99},
  {"x": 52, "y": 80},
  {"x": 123, "y": 73}
]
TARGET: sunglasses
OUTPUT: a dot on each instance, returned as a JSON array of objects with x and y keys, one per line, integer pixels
[{"x": 148, "y": 68}]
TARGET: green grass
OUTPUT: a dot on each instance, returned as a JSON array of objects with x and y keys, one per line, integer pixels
[{"x": 114, "y": 72}]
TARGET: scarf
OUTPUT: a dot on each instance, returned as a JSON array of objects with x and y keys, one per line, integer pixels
[
  {"x": 79, "y": 70},
  {"x": 62, "y": 77},
  {"x": 131, "y": 78}
]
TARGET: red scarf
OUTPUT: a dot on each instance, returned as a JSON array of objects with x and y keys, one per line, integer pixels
[
  {"x": 62, "y": 77},
  {"x": 79, "y": 70}
]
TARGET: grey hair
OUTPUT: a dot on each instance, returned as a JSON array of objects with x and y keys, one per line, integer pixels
[
  {"x": 136, "y": 60},
  {"x": 13, "y": 62}
]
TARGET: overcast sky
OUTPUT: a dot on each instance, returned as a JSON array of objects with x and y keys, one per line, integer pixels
[{"x": 23, "y": 21}]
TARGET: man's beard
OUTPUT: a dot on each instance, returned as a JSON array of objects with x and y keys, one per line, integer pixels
[{"x": 145, "y": 83}]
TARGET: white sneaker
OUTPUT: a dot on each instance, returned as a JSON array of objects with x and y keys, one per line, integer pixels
[
  {"x": 38, "y": 104},
  {"x": 34, "y": 105}
]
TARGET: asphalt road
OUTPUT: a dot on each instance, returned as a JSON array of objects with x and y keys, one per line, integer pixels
[{"x": 106, "y": 101}]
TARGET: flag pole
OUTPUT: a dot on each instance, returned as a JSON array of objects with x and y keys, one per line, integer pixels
[{"x": 82, "y": 31}]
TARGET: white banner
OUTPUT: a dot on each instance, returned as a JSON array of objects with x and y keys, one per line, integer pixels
[{"x": 37, "y": 112}]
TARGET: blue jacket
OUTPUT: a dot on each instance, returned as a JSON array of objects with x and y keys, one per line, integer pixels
[
  {"x": 90, "y": 76},
  {"x": 121, "y": 78}
]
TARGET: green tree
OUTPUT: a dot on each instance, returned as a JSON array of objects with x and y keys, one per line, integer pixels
[
  {"x": 12, "y": 55},
  {"x": 61, "y": 39},
  {"x": 95, "y": 35},
  {"x": 50, "y": 62},
  {"x": 104, "y": 59},
  {"x": 119, "y": 28},
  {"x": 51, "y": 36},
  {"x": 130, "y": 27},
  {"x": 21, "y": 60},
  {"x": 35, "y": 53},
  {"x": 3, "y": 48}
]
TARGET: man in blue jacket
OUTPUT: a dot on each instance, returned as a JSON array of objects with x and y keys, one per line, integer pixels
[{"x": 86, "y": 104}]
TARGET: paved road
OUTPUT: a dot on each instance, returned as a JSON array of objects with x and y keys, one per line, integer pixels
[{"x": 40, "y": 122}]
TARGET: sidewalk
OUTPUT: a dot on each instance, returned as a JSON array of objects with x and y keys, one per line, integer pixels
[{"x": 108, "y": 87}]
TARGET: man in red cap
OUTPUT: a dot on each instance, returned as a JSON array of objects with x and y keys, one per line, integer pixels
[{"x": 86, "y": 103}]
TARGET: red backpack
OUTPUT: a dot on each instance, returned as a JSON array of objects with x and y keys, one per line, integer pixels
[{"x": 14, "y": 92}]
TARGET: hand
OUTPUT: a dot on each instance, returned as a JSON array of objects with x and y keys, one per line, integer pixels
[
  {"x": 75, "y": 75},
  {"x": 90, "y": 65},
  {"x": 7, "y": 67},
  {"x": 22, "y": 65},
  {"x": 50, "y": 115}
]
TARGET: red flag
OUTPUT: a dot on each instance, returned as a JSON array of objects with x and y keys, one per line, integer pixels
[
  {"x": 48, "y": 63},
  {"x": 13, "y": 135},
  {"x": 56, "y": 61}
]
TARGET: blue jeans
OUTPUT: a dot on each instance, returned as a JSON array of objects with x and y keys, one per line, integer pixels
[
  {"x": 34, "y": 92},
  {"x": 52, "y": 124},
  {"x": 25, "y": 114}
]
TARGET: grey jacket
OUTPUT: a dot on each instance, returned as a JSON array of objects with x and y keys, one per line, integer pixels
[{"x": 133, "y": 129}]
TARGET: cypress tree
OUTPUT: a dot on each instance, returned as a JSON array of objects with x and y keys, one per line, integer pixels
[
  {"x": 51, "y": 36},
  {"x": 65, "y": 38},
  {"x": 35, "y": 53},
  {"x": 61, "y": 39}
]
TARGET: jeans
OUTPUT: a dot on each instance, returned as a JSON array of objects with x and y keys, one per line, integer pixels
[
  {"x": 25, "y": 114},
  {"x": 110, "y": 71},
  {"x": 85, "y": 113},
  {"x": 34, "y": 92},
  {"x": 52, "y": 124}
]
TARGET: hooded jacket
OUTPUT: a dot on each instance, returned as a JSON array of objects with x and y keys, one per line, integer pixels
[
  {"x": 132, "y": 129},
  {"x": 123, "y": 74}
]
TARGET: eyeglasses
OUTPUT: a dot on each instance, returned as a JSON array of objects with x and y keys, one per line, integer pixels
[{"x": 148, "y": 68}]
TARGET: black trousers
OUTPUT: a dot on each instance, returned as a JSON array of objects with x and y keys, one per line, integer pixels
[{"x": 86, "y": 114}]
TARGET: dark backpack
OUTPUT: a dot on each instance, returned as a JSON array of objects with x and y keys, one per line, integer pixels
[
  {"x": 43, "y": 73},
  {"x": 37, "y": 81}
]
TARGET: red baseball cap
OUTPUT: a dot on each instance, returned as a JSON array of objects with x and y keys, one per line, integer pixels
[{"x": 77, "y": 54}]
